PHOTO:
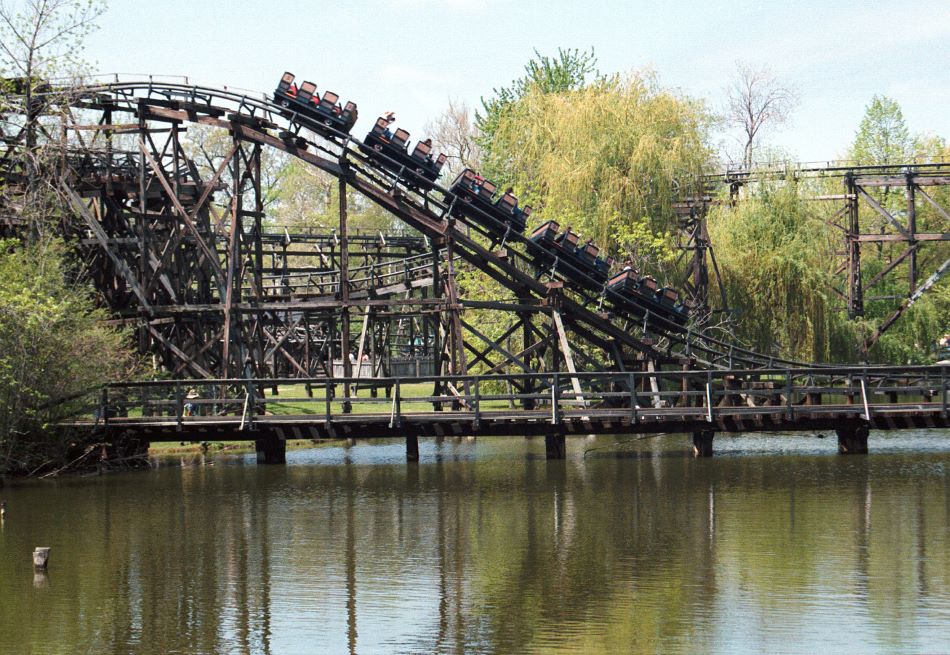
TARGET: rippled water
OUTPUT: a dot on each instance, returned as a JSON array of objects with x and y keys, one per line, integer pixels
[{"x": 775, "y": 545}]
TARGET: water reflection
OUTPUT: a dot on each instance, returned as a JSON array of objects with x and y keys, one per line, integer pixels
[{"x": 479, "y": 548}]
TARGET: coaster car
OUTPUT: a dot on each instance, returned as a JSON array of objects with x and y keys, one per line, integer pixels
[
  {"x": 623, "y": 282},
  {"x": 322, "y": 114},
  {"x": 646, "y": 294},
  {"x": 478, "y": 204},
  {"x": 417, "y": 169},
  {"x": 545, "y": 233},
  {"x": 670, "y": 298},
  {"x": 570, "y": 259}
]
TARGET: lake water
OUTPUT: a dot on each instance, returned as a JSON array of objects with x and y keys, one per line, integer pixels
[{"x": 776, "y": 544}]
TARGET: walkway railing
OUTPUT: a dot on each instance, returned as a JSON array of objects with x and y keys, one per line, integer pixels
[{"x": 858, "y": 393}]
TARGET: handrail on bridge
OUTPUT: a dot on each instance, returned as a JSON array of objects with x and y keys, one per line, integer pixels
[{"x": 855, "y": 393}]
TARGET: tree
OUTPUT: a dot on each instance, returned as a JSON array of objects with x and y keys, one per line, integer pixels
[
  {"x": 757, "y": 102},
  {"x": 54, "y": 346},
  {"x": 43, "y": 39},
  {"x": 54, "y": 349},
  {"x": 774, "y": 254},
  {"x": 454, "y": 133},
  {"x": 882, "y": 136},
  {"x": 569, "y": 70},
  {"x": 607, "y": 159}
]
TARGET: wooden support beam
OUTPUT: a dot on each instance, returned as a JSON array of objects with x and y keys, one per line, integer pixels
[
  {"x": 102, "y": 237},
  {"x": 494, "y": 345},
  {"x": 178, "y": 352},
  {"x": 568, "y": 358},
  {"x": 883, "y": 212}
]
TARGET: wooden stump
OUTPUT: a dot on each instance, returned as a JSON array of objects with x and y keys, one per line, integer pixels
[{"x": 41, "y": 557}]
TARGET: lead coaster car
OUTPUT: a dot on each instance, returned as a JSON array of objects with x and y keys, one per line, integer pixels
[
  {"x": 323, "y": 115},
  {"x": 417, "y": 169}
]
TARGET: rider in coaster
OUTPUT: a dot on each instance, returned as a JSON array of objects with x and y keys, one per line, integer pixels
[
  {"x": 390, "y": 118},
  {"x": 477, "y": 184}
]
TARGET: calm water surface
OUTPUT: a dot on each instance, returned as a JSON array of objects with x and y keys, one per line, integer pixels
[{"x": 775, "y": 545}]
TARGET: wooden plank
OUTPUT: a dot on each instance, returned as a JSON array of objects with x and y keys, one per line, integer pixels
[{"x": 568, "y": 358}]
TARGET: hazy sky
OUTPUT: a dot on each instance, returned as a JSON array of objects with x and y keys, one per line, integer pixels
[{"x": 411, "y": 56}]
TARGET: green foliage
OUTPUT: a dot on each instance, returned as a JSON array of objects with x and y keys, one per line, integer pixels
[
  {"x": 566, "y": 72},
  {"x": 774, "y": 256},
  {"x": 882, "y": 137},
  {"x": 306, "y": 197},
  {"x": 607, "y": 159},
  {"x": 53, "y": 348}
]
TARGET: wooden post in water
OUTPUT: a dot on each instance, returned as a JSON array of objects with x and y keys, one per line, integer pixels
[
  {"x": 412, "y": 448},
  {"x": 41, "y": 557},
  {"x": 852, "y": 440},
  {"x": 554, "y": 446},
  {"x": 271, "y": 450},
  {"x": 703, "y": 443}
]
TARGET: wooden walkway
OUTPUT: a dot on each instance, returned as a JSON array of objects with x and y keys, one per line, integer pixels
[{"x": 847, "y": 400}]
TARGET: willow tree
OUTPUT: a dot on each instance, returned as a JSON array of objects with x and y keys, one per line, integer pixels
[
  {"x": 609, "y": 159},
  {"x": 775, "y": 254}
]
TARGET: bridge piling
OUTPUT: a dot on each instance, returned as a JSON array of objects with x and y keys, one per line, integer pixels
[
  {"x": 852, "y": 440},
  {"x": 271, "y": 450},
  {"x": 554, "y": 446},
  {"x": 412, "y": 448},
  {"x": 703, "y": 443}
]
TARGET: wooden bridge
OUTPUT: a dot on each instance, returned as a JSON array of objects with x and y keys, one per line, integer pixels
[{"x": 849, "y": 400}]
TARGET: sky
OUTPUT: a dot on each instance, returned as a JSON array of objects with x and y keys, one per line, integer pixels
[{"x": 412, "y": 56}]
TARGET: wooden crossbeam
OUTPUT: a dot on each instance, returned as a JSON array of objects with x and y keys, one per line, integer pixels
[{"x": 100, "y": 234}]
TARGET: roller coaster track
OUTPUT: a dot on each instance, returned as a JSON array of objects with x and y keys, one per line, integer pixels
[{"x": 607, "y": 340}]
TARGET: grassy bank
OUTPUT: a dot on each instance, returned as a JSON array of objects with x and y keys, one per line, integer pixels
[{"x": 235, "y": 447}]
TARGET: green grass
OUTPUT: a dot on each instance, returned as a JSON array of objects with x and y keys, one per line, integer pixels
[
  {"x": 235, "y": 447},
  {"x": 292, "y": 399}
]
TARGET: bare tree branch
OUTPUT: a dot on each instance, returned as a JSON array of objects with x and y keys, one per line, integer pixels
[
  {"x": 453, "y": 132},
  {"x": 757, "y": 102}
]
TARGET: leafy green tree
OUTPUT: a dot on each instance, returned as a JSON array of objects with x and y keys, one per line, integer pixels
[
  {"x": 608, "y": 159},
  {"x": 54, "y": 349},
  {"x": 882, "y": 136},
  {"x": 568, "y": 71},
  {"x": 774, "y": 254}
]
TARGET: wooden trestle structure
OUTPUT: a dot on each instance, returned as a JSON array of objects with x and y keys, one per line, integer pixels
[
  {"x": 893, "y": 196},
  {"x": 179, "y": 247}
]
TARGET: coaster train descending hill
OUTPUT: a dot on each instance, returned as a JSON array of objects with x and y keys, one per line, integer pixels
[
  {"x": 197, "y": 285},
  {"x": 476, "y": 199}
]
